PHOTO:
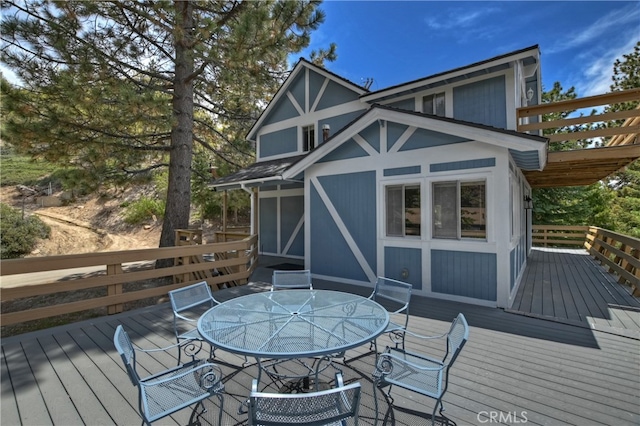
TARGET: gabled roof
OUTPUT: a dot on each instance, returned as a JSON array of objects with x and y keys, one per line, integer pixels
[
  {"x": 297, "y": 69},
  {"x": 522, "y": 145},
  {"x": 528, "y": 54}
]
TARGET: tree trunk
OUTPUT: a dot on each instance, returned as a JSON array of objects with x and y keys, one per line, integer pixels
[{"x": 179, "y": 190}]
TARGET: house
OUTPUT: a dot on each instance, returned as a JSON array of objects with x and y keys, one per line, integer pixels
[{"x": 421, "y": 182}]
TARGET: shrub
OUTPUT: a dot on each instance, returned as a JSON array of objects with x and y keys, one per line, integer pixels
[
  {"x": 143, "y": 210},
  {"x": 19, "y": 236}
]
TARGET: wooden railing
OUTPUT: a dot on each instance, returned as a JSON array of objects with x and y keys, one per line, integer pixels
[
  {"x": 556, "y": 235},
  {"x": 111, "y": 279},
  {"x": 620, "y": 254},
  {"x": 630, "y": 127}
]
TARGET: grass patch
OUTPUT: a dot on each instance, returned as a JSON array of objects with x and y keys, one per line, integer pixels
[{"x": 21, "y": 170}]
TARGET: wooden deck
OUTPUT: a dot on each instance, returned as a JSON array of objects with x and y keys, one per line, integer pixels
[
  {"x": 569, "y": 286},
  {"x": 516, "y": 368}
]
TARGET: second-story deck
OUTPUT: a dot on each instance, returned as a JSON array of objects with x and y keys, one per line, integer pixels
[{"x": 533, "y": 366}]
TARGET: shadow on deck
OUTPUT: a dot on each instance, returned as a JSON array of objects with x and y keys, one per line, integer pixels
[{"x": 517, "y": 368}]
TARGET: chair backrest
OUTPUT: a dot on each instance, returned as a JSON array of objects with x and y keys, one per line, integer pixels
[
  {"x": 331, "y": 406},
  {"x": 123, "y": 345},
  {"x": 189, "y": 297},
  {"x": 291, "y": 280},
  {"x": 394, "y": 295},
  {"x": 456, "y": 338}
]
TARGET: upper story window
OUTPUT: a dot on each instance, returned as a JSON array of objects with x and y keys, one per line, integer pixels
[
  {"x": 434, "y": 104},
  {"x": 459, "y": 210},
  {"x": 403, "y": 210},
  {"x": 308, "y": 138}
]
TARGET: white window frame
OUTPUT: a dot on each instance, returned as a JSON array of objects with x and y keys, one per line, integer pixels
[
  {"x": 458, "y": 183},
  {"x": 304, "y": 131},
  {"x": 434, "y": 104},
  {"x": 404, "y": 185}
]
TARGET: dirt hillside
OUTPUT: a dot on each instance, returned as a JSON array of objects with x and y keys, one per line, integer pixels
[{"x": 85, "y": 225}]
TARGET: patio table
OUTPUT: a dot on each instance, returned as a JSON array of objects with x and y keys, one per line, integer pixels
[{"x": 292, "y": 324}]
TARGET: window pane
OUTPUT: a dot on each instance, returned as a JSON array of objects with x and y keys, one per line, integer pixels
[
  {"x": 427, "y": 104},
  {"x": 308, "y": 138},
  {"x": 412, "y": 210},
  {"x": 394, "y": 210},
  {"x": 439, "y": 105},
  {"x": 473, "y": 222},
  {"x": 445, "y": 210}
]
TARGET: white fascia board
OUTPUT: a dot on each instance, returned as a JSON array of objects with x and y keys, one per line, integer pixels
[
  {"x": 371, "y": 98},
  {"x": 487, "y": 136}
]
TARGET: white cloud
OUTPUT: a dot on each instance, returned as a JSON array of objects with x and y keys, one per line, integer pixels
[
  {"x": 458, "y": 18},
  {"x": 616, "y": 20},
  {"x": 597, "y": 75}
]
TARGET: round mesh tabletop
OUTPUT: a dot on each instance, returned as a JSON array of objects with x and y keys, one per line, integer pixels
[{"x": 293, "y": 323}]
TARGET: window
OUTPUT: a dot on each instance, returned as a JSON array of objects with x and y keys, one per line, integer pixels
[
  {"x": 403, "y": 210},
  {"x": 459, "y": 210},
  {"x": 308, "y": 138},
  {"x": 434, "y": 104}
]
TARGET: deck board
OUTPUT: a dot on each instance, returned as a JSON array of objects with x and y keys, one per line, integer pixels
[{"x": 552, "y": 370}]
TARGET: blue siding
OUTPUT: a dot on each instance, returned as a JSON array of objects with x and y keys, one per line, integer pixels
[
  {"x": 349, "y": 149},
  {"x": 408, "y": 104},
  {"x": 283, "y": 110},
  {"x": 372, "y": 135},
  {"x": 397, "y": 259},
  {"x": 336, "y": 94},
  {"x": 280, "y": 142},
  {"x": 399, "y": 171},
  {"x": 463, "y": 165},
  {"x": 298, "y": 90},
  {"x": 291, "y": 210},
  {"x": 394, "y": 131},
  {"x": 338, "y": 122},
  {"x": 423, "y": 138},
  {"x": 354, "y": 197},
  {"x": 483, "y": 102},
  {"x": 464, "y": 274},
  {"x": 268, "y": 225},
  {"x": 315, "y": 84},
  {"x": 527, "y": 160}
]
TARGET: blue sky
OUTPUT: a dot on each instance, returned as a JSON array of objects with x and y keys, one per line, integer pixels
[{"x": 398, "y": 41}]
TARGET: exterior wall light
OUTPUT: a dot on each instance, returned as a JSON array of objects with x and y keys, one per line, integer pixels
[{"x": 528, "y": 202}]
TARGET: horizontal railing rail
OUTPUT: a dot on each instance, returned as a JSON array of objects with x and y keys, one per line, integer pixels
[
  {"x": 558, "y": 235},
  {"x": 111, "y": 279},
  {"x": 620, "y": 254},
  {"x": 630, "y": 127}
]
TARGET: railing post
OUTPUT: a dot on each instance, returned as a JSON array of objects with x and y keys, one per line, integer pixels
[{"x": 114, "y": 289}]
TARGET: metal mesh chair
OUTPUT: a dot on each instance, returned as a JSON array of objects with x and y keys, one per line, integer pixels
[
  {"x": 171, "y": 390},
  {"x": 394, "y": 295},
  {"x": 419, "y": 373},
  {"x": 291, "y": 280},
  {"x": 327, "y": 407},
  {"x": 188, "y": 303}
]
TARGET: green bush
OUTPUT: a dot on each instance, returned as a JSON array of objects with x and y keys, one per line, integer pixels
[
  {"x": 143, "y": 210},
  {"x": 19, "y": 236}
]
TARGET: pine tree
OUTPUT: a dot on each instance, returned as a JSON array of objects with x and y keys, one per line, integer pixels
[{"x": 127, "y": 87}]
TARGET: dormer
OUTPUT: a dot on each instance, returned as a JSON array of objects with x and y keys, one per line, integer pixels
[
  {"x": 486, "y": 92},
  {"x": 311, "y": 104}
]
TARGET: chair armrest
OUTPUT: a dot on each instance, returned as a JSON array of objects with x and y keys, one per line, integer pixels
[
  {"x": 207, "y": 380},
  {"x": 386, "y": 360},
  {"x": 182, "y": 317},
  {"x": 421, "y": 336}
]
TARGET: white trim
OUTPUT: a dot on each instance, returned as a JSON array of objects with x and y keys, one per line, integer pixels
[
  {"x": 362, "y": 142},
  {"x": 293, "y": 235},
  {"x": 295, "y": 103},
  {"x": 325, "y": 83},
  {"x": 344, "y": 231},
  {"x": 402, "y": 139}
]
